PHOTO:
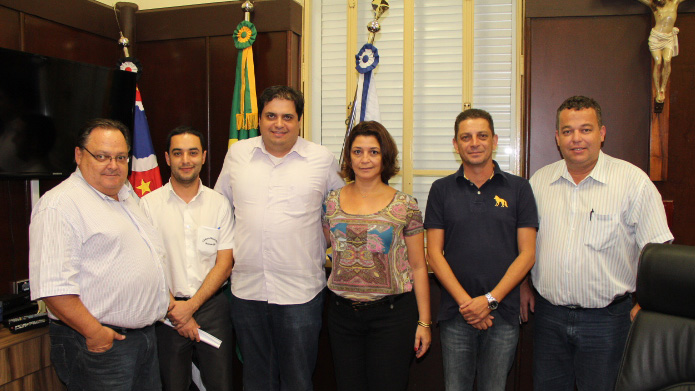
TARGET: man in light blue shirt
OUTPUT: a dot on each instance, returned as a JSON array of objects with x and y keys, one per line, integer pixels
[{"x": 595, "y": 214}]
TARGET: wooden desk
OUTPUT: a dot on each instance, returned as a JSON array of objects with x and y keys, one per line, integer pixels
[{"x": 25, "y": 363}]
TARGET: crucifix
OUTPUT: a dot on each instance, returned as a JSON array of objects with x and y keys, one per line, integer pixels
[{"x": 663, "y": 46}]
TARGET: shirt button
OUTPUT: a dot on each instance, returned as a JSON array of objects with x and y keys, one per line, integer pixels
[{"x": 478, "y": 192}]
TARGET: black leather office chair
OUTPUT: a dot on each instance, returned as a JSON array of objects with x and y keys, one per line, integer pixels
[{"x": 660, "y": 350}]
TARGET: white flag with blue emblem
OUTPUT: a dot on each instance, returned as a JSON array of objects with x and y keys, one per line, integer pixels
[{"x": 366, "y": 105}]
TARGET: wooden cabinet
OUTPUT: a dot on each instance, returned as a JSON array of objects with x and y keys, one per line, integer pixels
[{"x": 25, "y": 363}]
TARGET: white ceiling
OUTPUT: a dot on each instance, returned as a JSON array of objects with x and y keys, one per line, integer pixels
[{"x": 151, "y": 4}]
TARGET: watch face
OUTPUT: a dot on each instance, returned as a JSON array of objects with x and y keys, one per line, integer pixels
[{"x": 491, "y": 301}]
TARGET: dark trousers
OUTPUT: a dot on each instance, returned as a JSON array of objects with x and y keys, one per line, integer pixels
[
  {"x": 576, "y": 344},
  {"x": 373, "y": 346},
  {"x": 279, "y": 343},
  {"x": 176, "y": 353},
  {"x": 130, "y": 365}
]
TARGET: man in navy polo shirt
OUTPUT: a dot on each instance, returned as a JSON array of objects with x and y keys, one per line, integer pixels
[{"x": 481, "y": 237}]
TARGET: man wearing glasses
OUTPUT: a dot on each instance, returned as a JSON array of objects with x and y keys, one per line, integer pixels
[{"x": 96, "y": 261}]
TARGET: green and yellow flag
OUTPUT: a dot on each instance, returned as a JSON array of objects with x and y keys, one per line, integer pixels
[{"x": 244, "y": 121}]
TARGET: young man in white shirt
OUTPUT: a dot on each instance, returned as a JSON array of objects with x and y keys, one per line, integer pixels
[{"x": 197, "y": 226}]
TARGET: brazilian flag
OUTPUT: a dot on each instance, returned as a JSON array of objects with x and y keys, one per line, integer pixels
[{"x": 244, "y": 121}]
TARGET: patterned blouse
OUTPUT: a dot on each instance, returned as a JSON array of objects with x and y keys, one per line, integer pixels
[{"x": 370, "y": 258}]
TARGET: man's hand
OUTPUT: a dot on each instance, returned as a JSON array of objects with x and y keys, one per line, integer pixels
[
  {"x": 189, "y": 330},
  {"x": 634, "y": 311},
  {"x": 528, "y": 301},
  {"x": 475, "y": 310},
  {"x": 181, "y": 312},
  {"x": 485, "y": 324},
  {"x": 102, "y": 340}
]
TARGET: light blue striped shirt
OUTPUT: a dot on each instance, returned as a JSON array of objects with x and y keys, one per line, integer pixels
[
  {"x": 83, "y": 242},
  {"x": 590, "y": 234}
]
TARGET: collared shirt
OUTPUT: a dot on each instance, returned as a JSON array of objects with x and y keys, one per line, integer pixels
[
  {"x": 193, "y": 232},
  {"x": 83, "y": 242},
  {"x": 480, "y": 232},
  {"x": 591, "y": 233},
  {"x": 280, "y": 249}
]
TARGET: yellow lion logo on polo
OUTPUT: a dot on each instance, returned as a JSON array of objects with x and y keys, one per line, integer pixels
[{"x": 501, "y": 202}]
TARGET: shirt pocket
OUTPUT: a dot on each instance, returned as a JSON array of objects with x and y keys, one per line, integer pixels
[
  {"x": 208, "y": 238},
  {"x": 601, "y": 231}
]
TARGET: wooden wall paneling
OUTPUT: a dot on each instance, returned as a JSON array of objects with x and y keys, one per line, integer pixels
[
  {"x": 85, "y": 15},
  {"x": 427, "y": 373},
  {"x": 523, "y": 364},
  {"x": 554, "y": 8},
  {"x": 604, "y": 57},
  {"x": 271, "y": 60},
  {"x": 174, "y": 89},
  {"x": 7, "y": 247},
  {"x": 680, "y": 186},
  {"x": 52, "y": 39},
  {"x": 294, "y": 56},
  {"x": 9, "y": 29},
  {"x": 223, "y": 59},
  {"x": 216, "y": 20},
  {"x": 527, "y": 101},
  {"x": 15, "y": 214}
]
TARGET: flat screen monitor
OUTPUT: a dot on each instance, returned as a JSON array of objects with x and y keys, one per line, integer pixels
[{"x": 45, "y": 101}]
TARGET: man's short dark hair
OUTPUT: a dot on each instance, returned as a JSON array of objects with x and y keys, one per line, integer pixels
[
  {"x": 389, "y": 150},
  {"x": 579, "y": 102},
  {"x": 282, "y": 92},
  {"x": 104, "y": 124},
  {"x": 185, "y": 129},
  {"x": 473, "y": 114}
]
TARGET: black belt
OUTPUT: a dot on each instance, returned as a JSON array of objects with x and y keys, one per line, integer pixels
[
  {"x": 616, "y": 301},
  {"x": 219, "y": 291},
  {"x": 362, "y": 305},
  {"x": 118, "y": 329}
]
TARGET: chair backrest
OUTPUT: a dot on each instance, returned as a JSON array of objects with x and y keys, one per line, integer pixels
[{"x": 660, "y": 350}]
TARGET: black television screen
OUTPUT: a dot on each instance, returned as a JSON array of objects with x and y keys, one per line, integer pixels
[{"x": 45, "y": 101}]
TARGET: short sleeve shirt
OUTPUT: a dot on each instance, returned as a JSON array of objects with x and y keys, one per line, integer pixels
[
  {"x": 480, "y": 232},
  {"x": 370, "y": 257}
]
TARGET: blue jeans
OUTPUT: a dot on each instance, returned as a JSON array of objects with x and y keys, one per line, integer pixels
[
  {"x": 467, "y": 350},
  {"x": 278, "y": 343},
  {"x": 582, "y": 345},
  {"x": 373, "y": 346},
  {"x": 131, "y": 364}
]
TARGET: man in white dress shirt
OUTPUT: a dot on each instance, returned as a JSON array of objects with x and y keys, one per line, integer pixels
[
  {"x": 595, "y": 215},
  {"x": 276, "y": 184},
  {"x": 197, "y": 227},
  {"x": 97, "y": 263}
]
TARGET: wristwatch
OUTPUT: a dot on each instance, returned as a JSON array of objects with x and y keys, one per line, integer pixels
[{"x": 491, "y": 301}]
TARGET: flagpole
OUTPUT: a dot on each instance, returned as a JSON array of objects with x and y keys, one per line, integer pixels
[
  {"x": 248, "y": 8},
  {"x": 243, "y": 123},
  {"x": 379, "y": 7}
]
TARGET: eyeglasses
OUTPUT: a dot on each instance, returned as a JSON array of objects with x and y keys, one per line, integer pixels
[{"x": 120, "y": 159}]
